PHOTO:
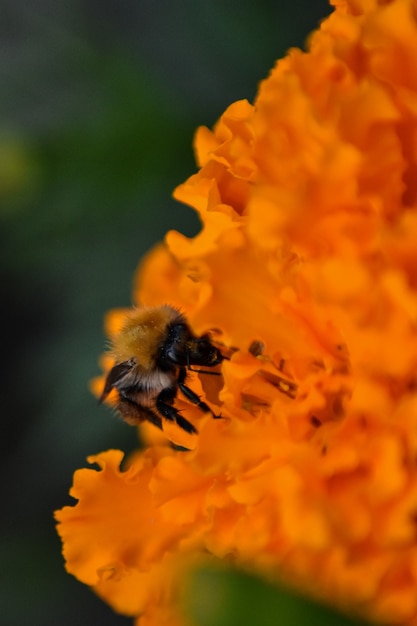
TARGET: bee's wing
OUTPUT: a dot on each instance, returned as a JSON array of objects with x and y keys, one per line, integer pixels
[{"x": 115, "y": 376}]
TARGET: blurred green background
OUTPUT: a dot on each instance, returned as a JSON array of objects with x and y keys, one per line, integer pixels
[{"x": 98, "y": 104}]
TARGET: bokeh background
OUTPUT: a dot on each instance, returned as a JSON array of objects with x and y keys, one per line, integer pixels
[{"x": 99, "y": 100}]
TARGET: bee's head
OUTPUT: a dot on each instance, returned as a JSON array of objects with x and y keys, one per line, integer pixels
[
  {"x": 185, "y": 349},
  {"x": 200, "y": 351}
]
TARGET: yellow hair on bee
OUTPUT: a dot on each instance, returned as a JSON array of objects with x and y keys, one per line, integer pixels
[{"x": 142, "y": 333}]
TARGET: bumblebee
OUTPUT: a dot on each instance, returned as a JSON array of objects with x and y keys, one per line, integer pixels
[{"x": 153, "y": 352}]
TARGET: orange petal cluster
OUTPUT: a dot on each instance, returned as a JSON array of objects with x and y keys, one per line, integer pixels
[{"x": 306, "y": 270}]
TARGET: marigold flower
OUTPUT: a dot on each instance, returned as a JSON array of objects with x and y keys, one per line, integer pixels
[{"x": 306, "y": 267}]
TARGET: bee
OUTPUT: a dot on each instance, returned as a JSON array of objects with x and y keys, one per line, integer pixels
[{"x": 153, "y": 353}]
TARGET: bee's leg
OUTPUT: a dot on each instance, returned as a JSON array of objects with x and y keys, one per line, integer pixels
[
  {"x": 165, "y": 408},
  {"x": 191, "y": 395}
]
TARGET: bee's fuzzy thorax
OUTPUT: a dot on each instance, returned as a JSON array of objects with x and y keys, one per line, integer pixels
[{"x": 142, "y": 334}]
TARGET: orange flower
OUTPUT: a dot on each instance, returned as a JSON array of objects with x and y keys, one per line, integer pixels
[{"x": 306, "y": 266}]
